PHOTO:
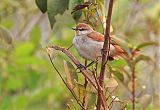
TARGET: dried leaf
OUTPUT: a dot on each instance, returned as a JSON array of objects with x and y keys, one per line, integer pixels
[
  {"x": 52, "y": 52},
  {"x": 42, "y": 5},
  {"x": 111, "y": 84},
  {"x": 81, "y": 6},
  {"x": 71, "y": 74},
  {"x": 80, "y": 90},
  {"x": 72, "y": 4}
]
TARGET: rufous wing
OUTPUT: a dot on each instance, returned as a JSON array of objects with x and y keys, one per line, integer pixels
[
  {"x": 96, "y": 36},
  {"x": 115, "y": 52}
]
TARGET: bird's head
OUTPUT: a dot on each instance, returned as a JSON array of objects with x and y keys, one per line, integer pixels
[{"x": 83, "y": 29}]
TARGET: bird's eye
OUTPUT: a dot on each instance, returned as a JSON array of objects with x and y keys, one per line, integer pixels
[{"x": 82, "y": 29}]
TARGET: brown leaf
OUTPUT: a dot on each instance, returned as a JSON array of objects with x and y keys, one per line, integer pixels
[
  {"x": 111, "y": 84},
  {"x": 71, "y": 74},
  {"x": 81, "y": 6}
]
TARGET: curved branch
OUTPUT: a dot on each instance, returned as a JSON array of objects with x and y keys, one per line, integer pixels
[
  {"x": 74, "y": 95},
  {"x": 84, "y": 71}
]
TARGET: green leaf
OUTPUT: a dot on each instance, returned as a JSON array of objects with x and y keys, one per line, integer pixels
[
  {"x": 14, "y": 84},
  {"x": 5, "y": 35},
  {"x": 142, "y": 45},
  {"x": 142, "y": 58},
  {"x": 118, "y": 63},
  {"x": 21, "y": 102},
  {"x": 5, "y": 104},
  {"x": 42, "y": 5},
  {"x": 118, "y": 74},
  {"x": 72, "y": 4},
  {"x": 55, "y": 7},
  {"x": 71, "y": 74},
  {"x": 145, "y": 100},
  {"x": 32, "y": 82},
  {"x": 41, "y": 96},
  {"x": 24, "y": 49},
  {"x": 91, "y": 99}
]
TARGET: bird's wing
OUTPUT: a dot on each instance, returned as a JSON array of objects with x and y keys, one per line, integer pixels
[
  {"x": 96, "y": 36},
  {"x": 118, "y": 50}
]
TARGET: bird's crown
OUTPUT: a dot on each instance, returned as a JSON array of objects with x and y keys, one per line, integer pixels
[{"x": 83, "y": 26}]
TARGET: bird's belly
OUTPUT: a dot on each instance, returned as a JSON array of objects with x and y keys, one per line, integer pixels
[{"x": 88, "y": 48}]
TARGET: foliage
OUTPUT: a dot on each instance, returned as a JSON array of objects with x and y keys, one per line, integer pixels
[{"x": 27, "y": 80}]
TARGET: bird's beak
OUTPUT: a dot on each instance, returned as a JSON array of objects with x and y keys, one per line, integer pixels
[{"x": 74, "y": 28}]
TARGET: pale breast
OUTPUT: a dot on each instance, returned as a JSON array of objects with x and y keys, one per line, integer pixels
[{"x": 87, "y": 48}]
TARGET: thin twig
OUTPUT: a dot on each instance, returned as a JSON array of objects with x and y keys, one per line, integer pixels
[
  {"x": 105, "y": 54},
  {"x": 69, "y": 46},
  {"x": 84, "y": 71},
  {"x": 96, "y": 79},
  {"x": 78, "y": 101},
  {"x": 133, "y": 85},
  {"x": 110, "y": 105},
  {"x": 124, "y": 107}
]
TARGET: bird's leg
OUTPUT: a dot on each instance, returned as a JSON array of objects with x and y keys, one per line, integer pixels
[
  {"x": 86, "y": 82},
  {"x": 86, "y": 66},
  {"x": 80, "y": 66},
  {"x": 69, "y": 46},
  {"x": 85, "y": 62}
]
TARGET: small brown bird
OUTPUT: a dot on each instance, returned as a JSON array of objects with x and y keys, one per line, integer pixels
[{"x": 89, "y": 43}]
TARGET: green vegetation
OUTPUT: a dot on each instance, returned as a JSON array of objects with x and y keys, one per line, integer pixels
[{"x": 27, "y": 79}]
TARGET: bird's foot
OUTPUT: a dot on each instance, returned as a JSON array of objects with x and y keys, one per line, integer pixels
[{"x": 80, "y": 66}]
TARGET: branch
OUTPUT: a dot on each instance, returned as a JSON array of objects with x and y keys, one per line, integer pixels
[
  {"x": 78, "y": 101},
  {"x": 133, "y": 85},
  {"x": 77, "y": 63},
  {"x": 105, "y": 54}
]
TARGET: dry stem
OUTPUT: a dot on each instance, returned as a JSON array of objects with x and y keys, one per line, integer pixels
[
  {"x": 77, "y": 63},
  {"x": 74, "y": 95},
  {"x": 105, "y": 54}
]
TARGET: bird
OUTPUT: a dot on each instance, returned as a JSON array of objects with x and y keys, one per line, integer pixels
[{"x": 89, "y": 44}]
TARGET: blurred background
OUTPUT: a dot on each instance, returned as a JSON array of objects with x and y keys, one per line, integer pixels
[{"x": 27, "y": 79}]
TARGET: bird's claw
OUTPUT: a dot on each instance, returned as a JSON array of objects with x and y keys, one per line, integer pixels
[{"x": 81, "y": 66}]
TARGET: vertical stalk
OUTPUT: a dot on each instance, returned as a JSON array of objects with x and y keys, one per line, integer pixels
[
  {"x": 133, "y": 85},
  {"x": 105, "y": 54}
]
